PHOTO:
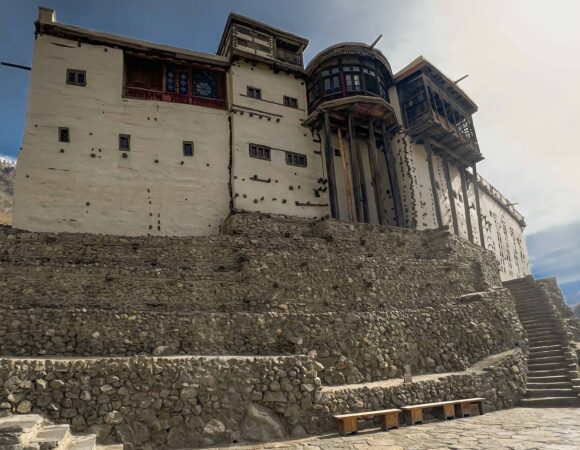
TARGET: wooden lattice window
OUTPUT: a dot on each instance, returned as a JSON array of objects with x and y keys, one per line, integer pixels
[
  {"x": 124, "y": 142},
  {"x": 187, "y": 148},
  {"x": 290, "y": 101},
  {"x": 295, "y": 159},
  {"x": 63, "y": 135},
  {"x": 260, "y": 152},
  {"x": 254, "y": 93},
  {"x": 76, "y": 77}
]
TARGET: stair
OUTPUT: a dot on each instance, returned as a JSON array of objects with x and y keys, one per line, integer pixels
[
  {"x": 33, "y": 432},
  {"x": 550, "y": 376}
]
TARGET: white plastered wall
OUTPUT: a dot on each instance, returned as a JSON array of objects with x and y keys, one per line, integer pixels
[
  {"x": 269, "y": 123},
  {"x": 86, "y": 185}
]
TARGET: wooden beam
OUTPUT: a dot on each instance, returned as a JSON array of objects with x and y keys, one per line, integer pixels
[
  {"x": 450, "y": 194},
  {"x": 393, "y": 178},
  {"x": 345, "y": 171},
  {"x": 466, "y": 203},
  {"x": 354, "y": 170},
  {"x": 477, "y": 205},
  {"x": 375, "y": 173},
  {"x": 332, "y": 197},
  {"x": 434, "y": 191}
]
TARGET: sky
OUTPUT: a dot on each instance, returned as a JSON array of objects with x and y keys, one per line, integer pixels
[{"x": 521, "y": 57}]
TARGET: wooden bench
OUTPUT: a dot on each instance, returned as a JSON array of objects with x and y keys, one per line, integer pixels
[
  {"x": 348, "y": 423},
  {"x": 449, "y": 409}
]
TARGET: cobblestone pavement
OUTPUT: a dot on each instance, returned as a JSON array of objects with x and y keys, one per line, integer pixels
[{"x": 518, "y": 429}]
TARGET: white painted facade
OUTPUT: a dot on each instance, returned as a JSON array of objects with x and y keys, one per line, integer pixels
[{"x": 90, "y": 185}]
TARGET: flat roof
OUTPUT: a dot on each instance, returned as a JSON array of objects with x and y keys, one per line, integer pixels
[{"x": 71, "y": 31}]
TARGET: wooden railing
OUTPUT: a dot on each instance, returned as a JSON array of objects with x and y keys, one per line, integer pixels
[{"x": 148, "y": 94}]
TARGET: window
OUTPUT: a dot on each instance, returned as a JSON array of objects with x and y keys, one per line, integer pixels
[
  {"x": 76, "y": 77},
  {"x": 187, "y": 148},
  {"x": 330, "y": 81},
  {"x": 352, "y": 78},
  {"x": 124, "y": 142},
  {"x": 205, "y": 84},
  {"x": 291, "y": 102},
  {"x": 63, "y": 135},
  {"x": 255, "y": 93},
  {"x": 295, "y": 159},
  {"x": 260, "y": 152}
]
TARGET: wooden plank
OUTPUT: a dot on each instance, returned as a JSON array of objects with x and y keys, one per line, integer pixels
[
  {"x": 446, "y": 170},
  {"x": 375, "y": 173},
  {"x": 368, "y": 413},
  {"x": 393, "y": 178},
  {"x": 478, "y": 206},
  {"x": 446, "y": 402},
  {"x": 332, "y": 197},
  {"x": 466, "y": 204},
  {"x": 354, "y": 170},
  {"x": 438, "y": 216},
  {"x": 345, "y": 172}
]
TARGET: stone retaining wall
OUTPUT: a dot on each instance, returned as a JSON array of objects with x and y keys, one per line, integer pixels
[{"x": 169, "y": 403}]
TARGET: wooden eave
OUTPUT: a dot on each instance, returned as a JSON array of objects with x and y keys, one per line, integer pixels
[
  {"x": 359, "y": 105},
  {"x": 111, "y": 40},
  {"x": 423, "y": 65},
  {"x": 274, "y": 63},
  {"x": 345, "y": 49}
]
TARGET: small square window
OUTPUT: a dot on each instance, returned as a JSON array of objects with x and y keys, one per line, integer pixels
[
  {"x": 255, "y": 93},
  {"x": 63, "y": 135},
  {"x": 260, "y": 152},
  {"x": 124, "y": 142},
  {"x": 76, "y": 77},
  {"x": 336, "y": 152},
  {"x": 187, "y": 148},
  {"x": 290, "y": 101},
  {"x": 295, "y": 159}
]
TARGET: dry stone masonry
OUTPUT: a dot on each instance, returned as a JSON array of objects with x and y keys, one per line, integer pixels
[{"x": 127, "y": 337}]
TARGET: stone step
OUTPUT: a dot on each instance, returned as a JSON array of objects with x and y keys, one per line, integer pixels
[
  {"x": 82, "y": 443},
  {"x": 544, "y": 341},
  {"x": 541, "y": 335},
  {"x": 549, "y": 402},
  {"x": 550, "y": 385},
  {"x": 20, "y": 428},
  {"x": 109, "y": 447},
  {"x": 537, "y": 320},
  {"x": 543, "y": 348},
  {"x": 548, "y": 366},
  {"x": 536, "y": 373},
  {"x": 546, "y": 359},
  {"x": 548, "y": 379},
  {"x": 52, "y": 436},
  {"x": 540, "y": 327},
  {"x": 539, "y": 313},
  {"x": 539, "y": 308},
  {"x": 558, "y": 351},
  {"x": 535, "y": 393}
]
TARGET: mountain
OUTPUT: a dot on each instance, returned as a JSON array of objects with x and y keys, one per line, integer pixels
[
  {"x": 576, "y": 310},
  {"x": 6, "y": 190}
]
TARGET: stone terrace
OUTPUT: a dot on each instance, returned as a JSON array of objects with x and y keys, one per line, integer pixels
[{"x": 360, "y": 302}]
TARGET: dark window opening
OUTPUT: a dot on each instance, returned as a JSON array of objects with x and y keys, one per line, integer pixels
[
  {"x": 187, "y": 148},
  {"x": 291, "y": 102},
  {"x": 254, "y": 93},
  {"x": 352, "y": 82},
  {"x": 63, "y": 135},
  {"x": 331, "y": 81},
  {"x": 205, "y": 84},
  {"x": 76, "y": 77},
  {"x": 260, "y": 152},
  {"x": 336, "y": 152},
  {"x": 124, "y": 142},
  {"x": 295, "y": 159}
]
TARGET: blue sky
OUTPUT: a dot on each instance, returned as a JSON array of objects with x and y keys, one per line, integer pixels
[{"x": 521, "y": 57}]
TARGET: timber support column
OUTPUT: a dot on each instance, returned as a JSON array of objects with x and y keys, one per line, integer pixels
[
  {"x": 393, "y": 178},
  {"x": 433, "y": 184},
  {"x": 329, "y": 152},
  {"x": 375, "y": 173},
  {"x": 355, "y": 177},
  {"x": 451, "y": 196},
  {"x": 477, "y": 205},
  {"x": 466, "y": 203}
]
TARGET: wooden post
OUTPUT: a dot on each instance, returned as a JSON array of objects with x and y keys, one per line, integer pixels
[
  {"x": 332, "y": 197},
  {"x": 347, "y": 185},
  {"x": 466, "y": 203},
  {"x": 477, "y": 205},
  {"x": 433, "y": 184},
  {"x": 450, "y": 195},
  {"x": 354, "y": 171},
  {"x": 393, "y": 178},
  {"x": 375, "y": 172}
]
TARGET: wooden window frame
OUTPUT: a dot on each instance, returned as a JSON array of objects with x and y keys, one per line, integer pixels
[
  {"x": 294, "y": 159},
  {"x": 76, "y": 73},
  {"x": 290, "y": 102},
  {"x": 258, "y": 91},
  {"x": 128, "y": 137},
  {"x": 260, "y": 152},
  {"x": 60, "y": 131},
  {"x": 192, "y": 149}
]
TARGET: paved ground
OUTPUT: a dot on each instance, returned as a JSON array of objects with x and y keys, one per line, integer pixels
[{"x": 518, "y": 429}]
